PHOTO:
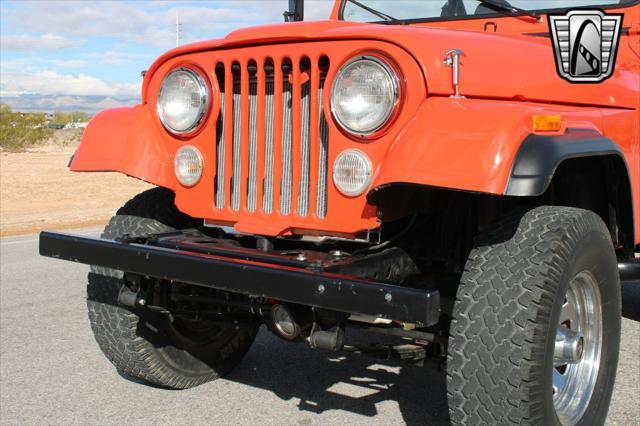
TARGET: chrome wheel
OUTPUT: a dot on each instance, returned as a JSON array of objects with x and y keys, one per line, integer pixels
[{"x": 578, "y": 348}]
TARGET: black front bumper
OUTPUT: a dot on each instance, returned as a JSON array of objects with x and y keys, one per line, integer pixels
[{"x": 212, "y": 263}]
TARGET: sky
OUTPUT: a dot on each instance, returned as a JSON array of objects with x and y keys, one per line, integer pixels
[{"x": 88, "y": 55}]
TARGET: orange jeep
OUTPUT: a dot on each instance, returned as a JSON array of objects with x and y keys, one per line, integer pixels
[{"x": 463, "y": 175}]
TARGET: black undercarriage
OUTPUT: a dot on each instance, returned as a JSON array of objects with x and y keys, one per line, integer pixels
[
  {"x": 303, "y": 290},
  {"x": 400, "y": 282}
]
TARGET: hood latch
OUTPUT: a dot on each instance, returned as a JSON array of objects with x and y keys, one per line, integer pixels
[{"x": 452, "y": 59}]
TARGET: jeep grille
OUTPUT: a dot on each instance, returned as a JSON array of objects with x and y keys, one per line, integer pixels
[{"x": 272, "y": 110}]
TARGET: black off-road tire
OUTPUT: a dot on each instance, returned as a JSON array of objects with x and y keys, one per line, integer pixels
[
  {"x": 500, "y": 353},
  {"x": 141, "y": 343}
]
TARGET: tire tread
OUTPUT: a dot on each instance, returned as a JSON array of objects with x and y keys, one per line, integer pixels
[
  {"x": 119, "y": 330},
  {"x": 502, "y": 311}
]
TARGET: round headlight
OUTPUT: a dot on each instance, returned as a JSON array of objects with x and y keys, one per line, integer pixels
[
  {"x": 188, "y": 165},
  {"x": 352, "y": 172},
  {"x": 364, "y": 95},
  {"x": 183, "y": 101}
]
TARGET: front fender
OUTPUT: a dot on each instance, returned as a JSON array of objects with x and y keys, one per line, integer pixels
[
  {"x": 469, "y": 144},
  {"x": 120, "y": 140}
]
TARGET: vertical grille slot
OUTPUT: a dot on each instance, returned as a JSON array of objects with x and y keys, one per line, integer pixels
[
  {"x": 303, "y": 199},
  {"x": 305, "y": 108},
  {"x": 236, "y": 180},
  {"x": 287, "y": 134},
  {"x": 267, "y": 205},
  {"x": 220, "y": 146},
  {"x": 323, "y": 142},
  {"x": 252, "y": 193},
  {"x": 272, "y": 137},
  {"x": 323, "y": 156}
]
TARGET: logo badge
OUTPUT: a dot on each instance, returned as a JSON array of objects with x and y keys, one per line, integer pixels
[{"x": 585, "y": 44}]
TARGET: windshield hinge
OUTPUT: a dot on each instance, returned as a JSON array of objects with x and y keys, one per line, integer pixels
[{"x": 452, "y": 59}]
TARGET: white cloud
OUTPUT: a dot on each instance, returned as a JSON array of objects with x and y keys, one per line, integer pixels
[
  {"x": 26, "y": 42},
  {"x": 16, "y": 65},
  {"x": 40, "y": 81},
  {"x": 48, "y": 83},
  {"x": 111, "y": 57},
  {"x": 151, "y": 24},
  {"x": 71, "y": 63},
  {"x": 134, "y": 22}
]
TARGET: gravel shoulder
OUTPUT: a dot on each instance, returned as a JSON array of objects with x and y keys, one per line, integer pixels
[{"x": 38, "y": 192}]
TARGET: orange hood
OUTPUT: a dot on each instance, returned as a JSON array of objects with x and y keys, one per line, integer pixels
[{"x": 495, "y": 65}]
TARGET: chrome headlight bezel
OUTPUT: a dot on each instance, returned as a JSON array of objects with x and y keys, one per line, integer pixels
[
  {"x": 205, "y": 102},
  {"x": 390, "y": 113}
]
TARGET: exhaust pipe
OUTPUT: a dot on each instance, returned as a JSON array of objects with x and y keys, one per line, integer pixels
[
  {"x": 288, "y": 322},
  {"x": 629, "y": 271}
]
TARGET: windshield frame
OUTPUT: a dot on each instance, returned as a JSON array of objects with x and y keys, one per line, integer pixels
[{"x": 487, "y": 15}]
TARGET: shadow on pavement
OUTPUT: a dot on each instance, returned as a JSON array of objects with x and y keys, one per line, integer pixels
[
  {"x": 631, "y": 300},
  {"x": 324, "y": 381}
]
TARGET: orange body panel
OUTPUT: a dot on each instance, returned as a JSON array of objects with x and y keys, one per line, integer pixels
[
  {"x": 477, "y": 156},
  {"x": 466, "y": 144}
]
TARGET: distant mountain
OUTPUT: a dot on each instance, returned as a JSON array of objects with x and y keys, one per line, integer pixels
[{"x": 88, "y": 104}]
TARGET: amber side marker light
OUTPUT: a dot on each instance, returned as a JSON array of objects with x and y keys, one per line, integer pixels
[{"x": 547, "y": 123}]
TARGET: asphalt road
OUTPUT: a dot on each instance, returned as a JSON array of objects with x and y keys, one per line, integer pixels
[{"x": 51, "y": 370}]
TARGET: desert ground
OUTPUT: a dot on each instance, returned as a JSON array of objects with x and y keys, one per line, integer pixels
[{"x": 38, "y": 192}]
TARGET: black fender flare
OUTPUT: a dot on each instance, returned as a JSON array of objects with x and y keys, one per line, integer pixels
[{"x": 539, "y": 156}]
